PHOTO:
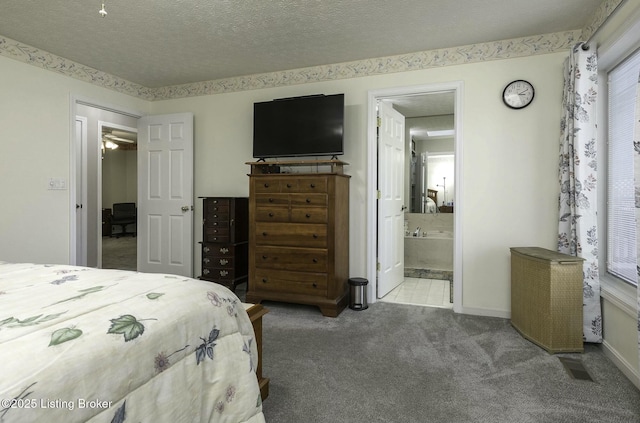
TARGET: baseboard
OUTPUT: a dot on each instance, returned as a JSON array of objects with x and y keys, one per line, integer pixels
[
  {"x": 504, "y": 314},
  {"x": 627, "y": 369}
]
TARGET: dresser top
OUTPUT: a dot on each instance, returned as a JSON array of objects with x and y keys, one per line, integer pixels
[{"x": 335, "y": 166}]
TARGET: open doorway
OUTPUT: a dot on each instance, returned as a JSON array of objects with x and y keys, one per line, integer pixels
[
  {"x": 86, "y": 181},
  {"x": 119, "y": 195},
  {"x": 164, "y": 224},
  {"x": 432, "y": 130}
]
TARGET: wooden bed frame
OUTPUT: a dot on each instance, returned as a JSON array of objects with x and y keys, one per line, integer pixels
[
  {"x": 255, "y": 312},
  {"x": 433, "y": 194}
]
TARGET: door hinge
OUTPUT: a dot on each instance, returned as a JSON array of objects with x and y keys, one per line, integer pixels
[
  {"x": 379, "y": 122},
  {"x": 379, "y": 194},
  {"x": 378, "y": 266}
]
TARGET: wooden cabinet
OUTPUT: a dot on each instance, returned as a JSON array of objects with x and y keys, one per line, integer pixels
[
  {"x": 299, "y": 238},
  {"x": 225, "y": 240},
  {"x": 546, "y": 298}
]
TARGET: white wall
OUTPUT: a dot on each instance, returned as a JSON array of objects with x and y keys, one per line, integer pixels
[
  {"x": 506, "y": 152},
  {"x": 35, "y": 125}
]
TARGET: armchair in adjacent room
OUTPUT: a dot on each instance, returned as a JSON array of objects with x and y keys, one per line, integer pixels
[{"x": 124, "y": 214}]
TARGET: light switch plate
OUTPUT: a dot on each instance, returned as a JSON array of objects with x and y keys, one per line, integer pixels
[{"x": 57, "y": 184}]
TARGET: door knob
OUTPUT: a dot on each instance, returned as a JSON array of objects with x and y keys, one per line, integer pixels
[{"x": 185, "y": 208}]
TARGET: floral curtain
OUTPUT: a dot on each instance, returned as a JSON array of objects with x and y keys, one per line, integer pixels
[{"x": 577, "y": 228}]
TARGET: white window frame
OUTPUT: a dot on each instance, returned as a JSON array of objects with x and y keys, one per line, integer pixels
[
  {"x": 621, "y": 243},
  {"x": 613, "y": 51}
]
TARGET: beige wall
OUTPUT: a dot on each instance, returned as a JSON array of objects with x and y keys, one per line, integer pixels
[{"x": 35, "y": 125}]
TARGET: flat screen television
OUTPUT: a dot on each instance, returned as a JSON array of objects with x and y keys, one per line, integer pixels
[{"x": 299, "y": 126}]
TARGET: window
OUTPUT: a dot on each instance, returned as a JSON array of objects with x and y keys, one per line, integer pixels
[{"x": 621, "y": 223}]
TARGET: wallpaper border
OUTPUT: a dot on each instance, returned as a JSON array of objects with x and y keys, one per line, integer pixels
[
  {"x": 602, "y": 14},
  {"x": 482, "y": 52}
]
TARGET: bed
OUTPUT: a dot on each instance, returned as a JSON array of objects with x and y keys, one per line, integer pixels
[{"x": 80, "y": 344}]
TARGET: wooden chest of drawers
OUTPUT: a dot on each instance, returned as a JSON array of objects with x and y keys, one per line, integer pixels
[
  {"x": 225, "y": 234},
  {"x": 299, "y": 239}
]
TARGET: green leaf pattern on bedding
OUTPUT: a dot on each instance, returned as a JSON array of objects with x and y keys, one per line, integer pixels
[
  {"x": 64, "y": 335},
  {"x": 12, "y": 322},
  {"x": 128, "y": 326},
  {"x": 65, "y": 328}
]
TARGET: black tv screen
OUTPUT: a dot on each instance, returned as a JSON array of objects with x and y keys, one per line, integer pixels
[{"x": 299, "y": 126}]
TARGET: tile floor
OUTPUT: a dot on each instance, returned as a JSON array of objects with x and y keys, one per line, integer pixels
[{"x": 424, "y": 292}]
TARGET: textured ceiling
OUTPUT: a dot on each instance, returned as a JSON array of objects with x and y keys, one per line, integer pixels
[{"x": 158, "y": 43}]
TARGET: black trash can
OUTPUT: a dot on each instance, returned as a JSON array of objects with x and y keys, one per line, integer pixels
[{"x": 358, "y": 293}]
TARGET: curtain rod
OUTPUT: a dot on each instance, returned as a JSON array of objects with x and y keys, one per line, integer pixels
[{"x": 585, "y": 45}]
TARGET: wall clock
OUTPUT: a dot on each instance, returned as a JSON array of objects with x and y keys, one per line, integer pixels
[{"x": 518, "y": 94}]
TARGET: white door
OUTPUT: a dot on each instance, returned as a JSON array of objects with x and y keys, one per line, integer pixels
[
  {"x": 165, "y": 194},
  {"x": 80, "y": 191},
  {"x": 391, "y": 203}
]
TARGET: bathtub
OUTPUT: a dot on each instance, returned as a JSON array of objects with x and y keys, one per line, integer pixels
[{"x": 433, "y": 250}]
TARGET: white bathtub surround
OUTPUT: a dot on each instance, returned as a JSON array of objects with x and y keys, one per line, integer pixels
[
  {"x": 429, "y": 255},
  {"x": 429, "y": 221},
  {"x": 434, "y": 253}
]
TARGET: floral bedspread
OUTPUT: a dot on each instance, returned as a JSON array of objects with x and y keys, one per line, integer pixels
[{"x": 80, "y": 344}]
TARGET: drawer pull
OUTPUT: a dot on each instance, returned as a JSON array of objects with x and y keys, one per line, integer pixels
[
  {"x": 206, "y": 249},
  {"x": 308, "y": 200},
  {"x": 215, "y": 223},
  {"x": 205, "y": 260},
  {"x": 205, "y": 272},
  {"x": 224, "y": 250},
  {"x": 271, "y": 200},
  {"x": 266, "y": 185},
  {"x": 270, "y": 214},
  {"x": 264, "y": 234},
  {"x": 264, "y": 280},
  {"x": 312, "y": 185},
  {"x": 223, "y": 262},
  {"x": 223, "y": 273},
  {"x": 215, "y": 201},
  {"x": 288, "y": 185},
  {"x": 315, "y": 260},
  {"x": 264, "y": 257},
  {"x": 315, "y": 285},
  {"x": 307, "y": 215},
  {"x": 315, "y": 235}
]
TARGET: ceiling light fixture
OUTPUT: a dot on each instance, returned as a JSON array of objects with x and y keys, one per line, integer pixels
[
  {"x": 102, "y": 12},
  {"x": 110, "y": 145},
  {"x": 441, "y": 133}
]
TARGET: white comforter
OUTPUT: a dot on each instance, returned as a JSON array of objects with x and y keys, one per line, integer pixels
[{"x": 80, "y": 344}]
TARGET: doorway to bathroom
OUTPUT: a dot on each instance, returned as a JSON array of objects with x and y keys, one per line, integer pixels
[{"x": 429, "y": 231}]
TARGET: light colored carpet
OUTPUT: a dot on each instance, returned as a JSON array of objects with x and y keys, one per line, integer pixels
[{"x": 399, "y": 363}]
